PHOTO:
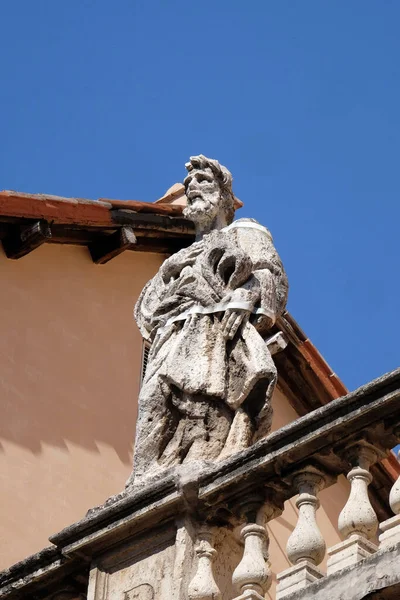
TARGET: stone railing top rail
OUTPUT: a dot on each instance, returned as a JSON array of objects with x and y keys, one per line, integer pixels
[{"x": 372, "y": 412}]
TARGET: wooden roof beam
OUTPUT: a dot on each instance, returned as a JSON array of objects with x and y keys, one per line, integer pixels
[
  {"x": 110, "y": 246},
  {"x": 23, "y": 240}
]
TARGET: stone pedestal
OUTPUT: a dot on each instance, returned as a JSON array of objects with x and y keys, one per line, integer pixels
[
  {"x": 142, "y": 569},
  {"x": 250, "y": 595},
  {"x": 154, "y": 544},
  {"x": 297, "y": 578},
  {"x": 349, "y": 553},
  {"x": 390, "y": 535},
  {"x": 161, "y": 565}
]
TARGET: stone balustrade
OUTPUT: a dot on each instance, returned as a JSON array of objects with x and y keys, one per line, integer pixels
[
  {"x": 224, "y": 513},
  {"x": 203, "y": 585},
  {"x": 358, "y": 525},
  {"x": 306, "y": 548},
  {"x": 353, "y": 454},
  {"x": 390, "y": 529},
  {"x": 252, "y": 576}
]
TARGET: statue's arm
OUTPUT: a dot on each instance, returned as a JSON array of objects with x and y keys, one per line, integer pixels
[
  {"x": 273, "y": 280},
  {"x": 268, "y": 282},
  {"x": 146, "y": 306},
  {"x": 160, "y": 300}
]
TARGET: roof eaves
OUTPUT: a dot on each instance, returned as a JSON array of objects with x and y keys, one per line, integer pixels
[{"x": 77, "y": 211}]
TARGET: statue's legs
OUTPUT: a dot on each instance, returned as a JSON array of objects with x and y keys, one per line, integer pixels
[
  {"x": 174, "y": 427},
  {"x": 211, "y": 433},
  {"x": 156, "y": 424},
  {"x": 263, "y": 420},
  {"x": 204, "y": 424}
]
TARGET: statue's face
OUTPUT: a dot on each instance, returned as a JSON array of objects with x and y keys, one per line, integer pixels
[{"x": 203, "y": 196}]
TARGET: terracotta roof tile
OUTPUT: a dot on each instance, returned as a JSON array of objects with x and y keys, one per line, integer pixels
[{"x": 78, "y": 211}]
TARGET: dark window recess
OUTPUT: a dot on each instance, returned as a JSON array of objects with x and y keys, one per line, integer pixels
[{"x": 145, "y": 358}]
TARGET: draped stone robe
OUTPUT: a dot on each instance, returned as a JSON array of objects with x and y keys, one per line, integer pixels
[{"x": 204, "y": 397}]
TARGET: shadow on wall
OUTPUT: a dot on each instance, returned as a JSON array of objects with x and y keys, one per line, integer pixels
[{"x": 70, "y": 351}]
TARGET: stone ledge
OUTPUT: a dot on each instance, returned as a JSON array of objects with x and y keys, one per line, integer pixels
[
  {"x": 309, "y": 438},
  {"x": 373, "y": 574},
  {"x": 37, "y": 572}
]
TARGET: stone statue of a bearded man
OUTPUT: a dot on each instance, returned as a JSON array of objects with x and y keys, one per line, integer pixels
[{"x": 210, "y": 376}]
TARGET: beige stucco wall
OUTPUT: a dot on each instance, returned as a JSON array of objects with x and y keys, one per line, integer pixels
[{"x": 70, "y": 358}]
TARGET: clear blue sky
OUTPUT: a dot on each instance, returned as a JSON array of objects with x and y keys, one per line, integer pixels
[{"x": 299, "y": 99}]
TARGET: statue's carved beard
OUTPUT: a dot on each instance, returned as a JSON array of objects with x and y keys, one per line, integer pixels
[{"x": 202, "y": 209}]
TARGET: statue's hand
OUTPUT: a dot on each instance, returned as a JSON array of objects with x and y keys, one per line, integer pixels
[
  {"x": 232, "y": 320},
  {"x": 173, "y": 266}
]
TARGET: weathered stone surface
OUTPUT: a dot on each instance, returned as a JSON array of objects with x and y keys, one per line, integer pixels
[
  {"x": 297, "y": 578},
  {"x": 390, "y": 532},
  {"x": 47, "y": 575},
  {"x": 142, "y": 569},
  {"x": 390, "y": 528},
  {"x": 210, "y": 376},
  {"x": 126, "y": 526},
  {"x": 203, "y": 585},
  {"x": 306, "y": 546},
  {"x": 378, "y": 573},
  {"x": 348, "y": 553},
  {"x": 306, "y": 542},
  {"x": 173, "y": 561},
  {"x": 307, "y": 438}
]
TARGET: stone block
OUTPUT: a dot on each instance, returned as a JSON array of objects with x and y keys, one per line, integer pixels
[
  {"x": 349, "y": 553},
  {"x": 250, "y": 595},
  {"x": 142, "y": 570},
  {"x": 297, "y": 578},
  {"x": 390, "y": 532}
]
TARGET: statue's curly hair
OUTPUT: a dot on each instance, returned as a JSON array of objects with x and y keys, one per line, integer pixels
[{"x": 224, "y": 178}]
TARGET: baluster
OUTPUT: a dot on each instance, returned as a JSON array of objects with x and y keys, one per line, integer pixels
[
  {"x": 306, "y": 546},
  {"x": 394, "y": 497},
  {"x": 390, "y": 529},
  {"x": 358, "y": 522},
  {"x": 252, "y": 577},
  {"x": 203, "y": 585}
]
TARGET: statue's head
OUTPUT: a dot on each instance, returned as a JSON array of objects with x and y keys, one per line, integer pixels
[{"x": 208, "y": 187}]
